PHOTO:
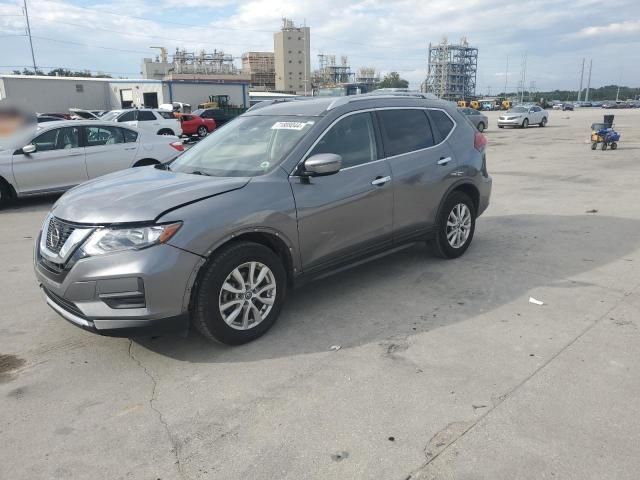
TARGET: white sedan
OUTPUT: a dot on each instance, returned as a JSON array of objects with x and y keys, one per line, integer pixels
[{"x": 60, "y": 155}]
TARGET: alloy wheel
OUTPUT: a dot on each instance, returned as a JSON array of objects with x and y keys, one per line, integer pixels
[
  {"x": 458, "y": 225},
  {"x": 247, "y": 295}
]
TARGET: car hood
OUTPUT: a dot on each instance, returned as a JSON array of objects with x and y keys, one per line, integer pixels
[{"x": 138, "y": 195}]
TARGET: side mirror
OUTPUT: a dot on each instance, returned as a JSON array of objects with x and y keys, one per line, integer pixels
[
  {"x": 322, "y": 164},
  {"x": 27, "y": 149}
]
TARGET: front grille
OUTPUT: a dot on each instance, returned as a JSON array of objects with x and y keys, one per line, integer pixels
[
  {"x": 57, "y": 234},
  {"x": 65, "y": 304}
]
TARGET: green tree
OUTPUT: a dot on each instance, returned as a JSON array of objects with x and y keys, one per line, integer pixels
[{"x": 393, "y": 80}]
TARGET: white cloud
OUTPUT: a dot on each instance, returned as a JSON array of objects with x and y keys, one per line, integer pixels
[{"x": 630, "y": 27}]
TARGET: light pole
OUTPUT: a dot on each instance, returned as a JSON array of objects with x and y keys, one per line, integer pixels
[{"x": 33, "y": 57}]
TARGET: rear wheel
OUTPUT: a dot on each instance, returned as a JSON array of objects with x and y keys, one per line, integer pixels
[
  {"x": 594, "y": 145},
  {"x": 202, "y": 131},
  {"x": 456, "y": 226},
  {"x": 525, "y": 123},
  {"x": 4, "y": 193},
  {"x": 500, "y": 126},
  {"x": 166, "y": 131},
  {"x": 481, "y": 127},
  {"x": 614, "y": 145},
  {"x": 240, "y": 294},
  {"x": 543, "y": 123}
]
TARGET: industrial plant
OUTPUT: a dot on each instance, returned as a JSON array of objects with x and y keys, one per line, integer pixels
[{"x": 452, "y": 70}]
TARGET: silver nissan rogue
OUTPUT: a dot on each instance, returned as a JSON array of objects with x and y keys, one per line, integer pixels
[{"x": 285, "y": 193}]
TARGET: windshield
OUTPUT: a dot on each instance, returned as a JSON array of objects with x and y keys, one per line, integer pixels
[
  {"x": 110, "y": 115},
  {"x": 198, "y": 112},
  {"x": 246, "y": 147},
  {"x": 519, "y": 109}
]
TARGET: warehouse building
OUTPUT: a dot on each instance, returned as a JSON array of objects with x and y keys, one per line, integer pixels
[{"x": 58, "y": 94}]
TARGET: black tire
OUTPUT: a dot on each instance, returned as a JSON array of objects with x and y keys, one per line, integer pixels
[
  {"x": 205, "y": 311},
  {"x": 202, "y": 131},
  {"x": 594, "y": 145},
  {"x": 543, "y": 123},
  {"x": 5, "y": 193},
  {"x": 145, "y": 162},
  {"x": 166, "y": 131},
  {"x": 604, "y": 146},
  {"x": 500, "y": 126},
  {"x": 525, "y": 123},
  {"x": 481, "y": 127},
  {"x": 614, "y": 145},
  {"x": 440, "y": 245}
]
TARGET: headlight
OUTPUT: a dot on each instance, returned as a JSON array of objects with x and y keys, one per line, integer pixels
[{"x": 108, "y": 240}]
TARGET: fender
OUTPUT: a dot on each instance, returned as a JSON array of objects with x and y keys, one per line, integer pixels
[{"x": 452, "y": 187}]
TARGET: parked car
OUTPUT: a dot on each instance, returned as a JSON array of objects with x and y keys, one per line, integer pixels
[
  {"x": 195, "y": 125},
  {"x": 285, "y": 193},
  {"x": 81, "y": 114},
  {"x": 176, "y": 107},
  {"x": 523, "y": 116},
  {"x": 218, "y": 114},
  {"x": 567, "y": 106},
  {"x": 159, "y": 122},
  {"x": 61, "y": 116},
  {"x": 480, "y": 121},
  {"x": 60, "y": 155}
]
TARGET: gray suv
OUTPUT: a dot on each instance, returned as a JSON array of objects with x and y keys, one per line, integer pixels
[{"x": 285, "y": 193}]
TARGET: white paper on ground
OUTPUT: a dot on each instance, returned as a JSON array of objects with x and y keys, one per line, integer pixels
[{"x": 535, "y": 302}]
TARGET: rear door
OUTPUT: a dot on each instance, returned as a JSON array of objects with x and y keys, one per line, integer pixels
[
  {"x": 148, "y": 122},
  {"x": 57, "y": 164},
  {"x": 107, "y": 149},
  {"x": 130, "y": 118},
  {"x": 422, "y": 165},
  {"x": 347, "y": 214}
]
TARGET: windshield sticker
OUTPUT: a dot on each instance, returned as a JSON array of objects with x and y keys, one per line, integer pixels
[
  {"x": 264, "y": 165},
  {"x": 288, "y": 126}
]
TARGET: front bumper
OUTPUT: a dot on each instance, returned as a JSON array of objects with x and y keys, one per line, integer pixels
[
  {"x": 516, "y": 122},
  {"x": 122, "y": 294}
]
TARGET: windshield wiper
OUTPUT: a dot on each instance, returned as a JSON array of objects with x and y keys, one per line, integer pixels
[{"x": 198, "y": 172}]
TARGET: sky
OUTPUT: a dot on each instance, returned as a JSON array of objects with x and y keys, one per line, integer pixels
[{"x": 114, "y": 36}]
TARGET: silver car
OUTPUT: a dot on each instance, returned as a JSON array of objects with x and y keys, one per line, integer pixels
[
  {"x": 476, "y": 117},
  {"x": 287, "y": 192},
  {"x": 59, "y": 155},
  {"x": 522, "y": 116}
]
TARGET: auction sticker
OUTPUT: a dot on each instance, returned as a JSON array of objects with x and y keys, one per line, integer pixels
[{"x": 289, "y": 125}]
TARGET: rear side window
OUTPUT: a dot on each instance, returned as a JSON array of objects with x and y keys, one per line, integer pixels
[
  {"x": 353, "y": 138},
  {"x": 129, "y": 135},
  {"x": 129, "y": 116},
  {"x": 103, "y": 135},
  {"x": 146, "y": 116},
  {"x": 405, "y": 131},
  {"x": 168, "y": 115},
  {"x": 442, "y": 123}
]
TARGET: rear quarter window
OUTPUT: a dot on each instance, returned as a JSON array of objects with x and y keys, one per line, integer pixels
[
  {"x": 167, "y": 115},
  {"x": 441, "y": 122},
  {"x": 129, "y": 135}
]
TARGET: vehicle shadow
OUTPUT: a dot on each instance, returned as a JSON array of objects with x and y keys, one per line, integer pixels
[
  {"x": 411, "y": 292},
  {"x": 30, "y": 204}
]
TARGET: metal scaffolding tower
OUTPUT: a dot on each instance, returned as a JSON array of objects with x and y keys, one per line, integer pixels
[{"x": 452, "y": 70}]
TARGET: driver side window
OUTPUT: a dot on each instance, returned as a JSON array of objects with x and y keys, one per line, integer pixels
[
  {"x": 57, "y": 139},
  {"x": 353, "y": 138}
]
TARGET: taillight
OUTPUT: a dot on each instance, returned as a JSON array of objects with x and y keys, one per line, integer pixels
[
  {"x": 178, "y": 146},
  {"x": 479, "y": 141}
]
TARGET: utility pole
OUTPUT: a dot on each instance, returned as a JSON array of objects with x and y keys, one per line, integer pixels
[
  {"x": 506, "y": 77},
  {"x": 581, "y": 79},
  {"x": 586, "y": 95},
  {"x": 523, "y": 78},
  {"x": 33, "y": 57}
]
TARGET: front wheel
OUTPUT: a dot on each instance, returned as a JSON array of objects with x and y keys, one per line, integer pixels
[
  {"x": 240, "y": 293},
  {"x": 481, "y": 127},
  {"x": 604, "y": 145},
  {"x": 525, "y": 123},
  {"x": 594, "y": 145},
  {"x": 202, "y": 131},
  {"x": 614, "y": 145},
  {"x": 456, "y": 225}
]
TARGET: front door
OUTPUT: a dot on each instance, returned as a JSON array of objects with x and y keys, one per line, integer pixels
[
  {"x": 57, "y": 164},
  {"x": 422, "y": 165},
  {"x": 350, "y": 213}
]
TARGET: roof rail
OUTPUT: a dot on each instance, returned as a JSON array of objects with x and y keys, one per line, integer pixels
[
  {"x": 339, "y": 101},
  {"x": 266, "y": 103}
]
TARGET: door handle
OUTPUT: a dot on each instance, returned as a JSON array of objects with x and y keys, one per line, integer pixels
[
  {"x": 130, "y": 148},
  {"x": 444, "y": 160},
  {"x": 75, "y": 154},
  {"x": 379, "y": 181}
]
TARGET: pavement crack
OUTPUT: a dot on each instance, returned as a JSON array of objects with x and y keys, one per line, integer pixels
[{"x": 175, "y": 445}]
